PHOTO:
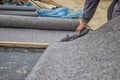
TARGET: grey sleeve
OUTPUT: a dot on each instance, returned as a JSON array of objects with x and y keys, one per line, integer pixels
[{"x": 89, "y": 9}]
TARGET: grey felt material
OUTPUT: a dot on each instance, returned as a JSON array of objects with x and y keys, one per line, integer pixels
[
  {"x": 19, "y": 13},
  {"x": 17, "y": 8},
  {"x": 95, "y": 56},
  {"x": 32, "y": 35},
  {"x": 38, "y": 22},
  {"x": 75, "y": 36},
  {"x": 16, "y": 63}
]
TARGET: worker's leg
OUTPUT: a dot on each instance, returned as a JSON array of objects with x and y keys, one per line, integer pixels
[
  {"x": 111, "y": 9},
  {"x": 116, "y": 11}
]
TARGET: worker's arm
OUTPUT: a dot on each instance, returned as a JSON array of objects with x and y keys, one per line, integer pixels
[{"x": 89, "y": 10}]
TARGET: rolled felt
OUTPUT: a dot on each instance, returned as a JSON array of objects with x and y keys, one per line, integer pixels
[
  {"x": 19, "y": 13},
  {"x": 75, "y": 36},
  {"x": 17, "y": 8},
  {"x": 38, "y": 22}
]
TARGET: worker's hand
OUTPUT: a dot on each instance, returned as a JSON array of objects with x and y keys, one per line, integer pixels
[{"x": 81, "y": 26}]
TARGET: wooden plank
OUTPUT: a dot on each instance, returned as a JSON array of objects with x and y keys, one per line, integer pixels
[
  {"x": 44, "y": 5},
  {"x": 24, "y": 1},
  {"x": 15, "y": 1},
  {"x": 52, "y": 2},
  {"x": 24, "y": 44},
  {"x": 32, "y": 1}
]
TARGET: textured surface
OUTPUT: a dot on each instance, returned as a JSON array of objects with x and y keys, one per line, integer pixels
[
  {"x": 16, "y": 63},
  {"x": 17, "y": 8},
  {"x": 37, "y": 22},
  {"x": 95, "y": 56},
  {"x": 32, "y": 35},
  {"x": 19, "y": 13}
]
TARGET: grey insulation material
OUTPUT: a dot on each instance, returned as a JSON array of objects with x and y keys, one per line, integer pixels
[
  {"x": 19, "y": 13},
  {"x": 17, "y": 8},
  {"x": 32, "y": 35},
  {"x": 38, "y": 22},
  {"x": 95, "y": 56}
]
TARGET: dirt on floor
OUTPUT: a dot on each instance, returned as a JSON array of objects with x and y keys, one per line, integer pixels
[{"x": 100, "y": 16}]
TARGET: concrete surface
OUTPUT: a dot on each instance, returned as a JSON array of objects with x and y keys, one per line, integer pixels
[
  {"x": 32, "y": 35},
  {"x": 38, "y": 22},
  {"x": 95, "y": 56}
]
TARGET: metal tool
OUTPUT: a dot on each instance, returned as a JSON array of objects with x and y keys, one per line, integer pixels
[{"x": 75, "y": 36}]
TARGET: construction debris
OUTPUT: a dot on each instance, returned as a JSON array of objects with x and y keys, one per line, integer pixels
[
  {"x": 43, "y": 10},
  {"x": 51, "y": 2},
  {"x": 35, "y": 4},
  {"x": 24, "y": 1},
  {"x": 43, "y": 5}
]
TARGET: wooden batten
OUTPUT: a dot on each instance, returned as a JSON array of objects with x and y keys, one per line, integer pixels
[
  {"x": 33, "y": 2},
  {"x": 44, "y": 5},
  {"x": 24, "y": 44},
  {"x": 51, "y": 2}
]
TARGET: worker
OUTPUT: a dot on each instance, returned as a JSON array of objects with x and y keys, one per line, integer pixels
[{"x": 90, "y": 8}]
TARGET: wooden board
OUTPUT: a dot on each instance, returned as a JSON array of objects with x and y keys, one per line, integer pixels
[
  {"x": 24, "y": 1},
  {"x": 45, "y": 5},
  {"x": 24, "y": 44},
  {"x": 51, "y": 2},
  {"x": 36, "y": 5}
]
